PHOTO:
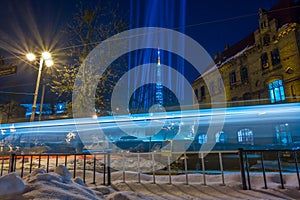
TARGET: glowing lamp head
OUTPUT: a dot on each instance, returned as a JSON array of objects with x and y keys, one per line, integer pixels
[
  {"x": 30, "y": 57},
  {"x": 46, "y": 55},
  {"x": 49, "y": 62}
]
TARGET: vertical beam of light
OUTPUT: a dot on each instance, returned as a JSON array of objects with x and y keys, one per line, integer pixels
[{"x": 167, "y": 14}]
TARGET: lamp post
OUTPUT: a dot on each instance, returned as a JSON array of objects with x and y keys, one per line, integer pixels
[{"x": 45, "y": 57}]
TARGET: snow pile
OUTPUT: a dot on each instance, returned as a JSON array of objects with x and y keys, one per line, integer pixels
[
  {"x": 11, "y": 184},
  {"x": 56, "y": 185}
]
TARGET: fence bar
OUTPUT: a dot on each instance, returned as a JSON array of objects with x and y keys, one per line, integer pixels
[
  {"x": 94, "y": 170},
  {"x": 123, "y": 167},
  {"x": 153, "y": 167},
  {"x": 12, "y": 162},
  {"x": 186, "y": 169},
  {"x": 48, "y": 163},
  {"x": 169, "y": 169},
  {"x": 104, "y": 169},
  {"x": 56, "y": 160},
  {"x": 22, "y": 168},
  {"x": 221, "y": 168},
  {"x": 2, "y": 165},
  {"x": 39, "y": 161},
  {"x": 203, "y": 169},
  {"x": 66, "y": 160},
  {"x": 247, "y": 170},
  {"x": 84, "y": 167},
  {"x": 108, "y": 169},
  {"x": 263, "y": 169},
  {"x": 139, "y": 170},
  {"x": 30, "y": 167},
  {"x": 15, "y": 164},
  {"x": 74, "y": 172},
  {"x": 280, "y": 170},
  {"x": 242, "y": 167},
  {"x": 297, "y": 167}
]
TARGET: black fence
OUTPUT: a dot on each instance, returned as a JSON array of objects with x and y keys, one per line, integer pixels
[
  {"x": 24, "y": 164},
  {"x": 277, "y": 156},
  {"x": 98, "y": 167}
]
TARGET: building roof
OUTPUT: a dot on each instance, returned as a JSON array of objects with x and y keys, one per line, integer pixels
[{"x": 285, "y": 11}]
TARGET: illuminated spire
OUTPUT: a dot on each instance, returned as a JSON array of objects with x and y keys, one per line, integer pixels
[
  {"x": 158, "y": 57},
  {"x": 159, "y": 88}
]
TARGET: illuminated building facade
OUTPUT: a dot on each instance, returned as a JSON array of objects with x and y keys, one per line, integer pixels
[{"x": 262, "y": 68}]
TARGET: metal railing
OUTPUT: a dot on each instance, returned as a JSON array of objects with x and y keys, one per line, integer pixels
[
  {"x": 273, "y": 155},
  {"x": 26, "y": 163},
  {"x": 99, "y": 166}
]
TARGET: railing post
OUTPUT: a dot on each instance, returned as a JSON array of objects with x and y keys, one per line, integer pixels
[
  {"x": 104, "y": 169},
  {"x": 280, "y": 170},
  {"x": 248, "y": 170},
  {"x": 139, "y": 170},
  {"x": 242, "y": 167},
  {"x": 108, "y": 169},
  {"x": 185, "y": 169},
  {"x": 12, "y": 162},
  {"x": 169, "y": 169},
  {"x": 94, "y": 170},
  {"x": 153, "y": 167},
  {"x": 221, "y": 168},
  {"x": 123, "y": 167},
  {"x": 263, "y": 169},
  {"x": 297, "y": 167},
  {"x": 22, "y": 168},
  {"x": 74, "y": 172},
  {"x": 203, "y": 168},
  {"x": 84, "y": 167}
]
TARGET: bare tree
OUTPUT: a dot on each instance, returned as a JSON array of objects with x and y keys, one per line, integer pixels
[{"x": 90, "y": 26}]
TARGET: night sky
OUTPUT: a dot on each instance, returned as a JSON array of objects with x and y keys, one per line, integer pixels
[{"x": 31, "y": 25}]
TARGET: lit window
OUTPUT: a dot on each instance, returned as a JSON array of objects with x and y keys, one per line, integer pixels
[
  {"x": 283, "y": 134},
  {"x": 245, "y": 136},
  {"x": 276, "y": 91},
  {"x": 202, "y": 138},
  {"x": 221, "y": 137}
]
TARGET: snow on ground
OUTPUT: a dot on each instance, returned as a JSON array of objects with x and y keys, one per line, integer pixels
[{"x": 59, "y": 185}]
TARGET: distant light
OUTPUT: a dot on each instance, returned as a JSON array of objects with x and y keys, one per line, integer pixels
[
  {"x": 49, "y": 63},
  {"x": 30, "y": 57},
  {"x": 95, "y": 116},
  {"x": 46, "y": 55}
]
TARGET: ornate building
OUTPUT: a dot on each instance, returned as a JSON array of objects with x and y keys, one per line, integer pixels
[{"x": 264, "y": 67}]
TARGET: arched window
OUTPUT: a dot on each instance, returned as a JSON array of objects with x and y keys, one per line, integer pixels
[
  {"x": 221, "y": 137},
  {"x": 245, "y": 136},
  {"x": 202, "y": 138},
  {"x": 276, "y": 91},
  {"x": 283, "y": 134}
]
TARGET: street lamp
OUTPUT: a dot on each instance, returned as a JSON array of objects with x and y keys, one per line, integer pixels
[{"x": 46, "y": 56}]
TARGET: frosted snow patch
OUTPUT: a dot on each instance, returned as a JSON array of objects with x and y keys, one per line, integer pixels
[{"x": 11, "y": 184}]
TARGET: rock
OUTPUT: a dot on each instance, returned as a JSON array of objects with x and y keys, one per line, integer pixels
[
  {"x": 63, "y": 171},
  {"x": 11, "y": 184}
]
